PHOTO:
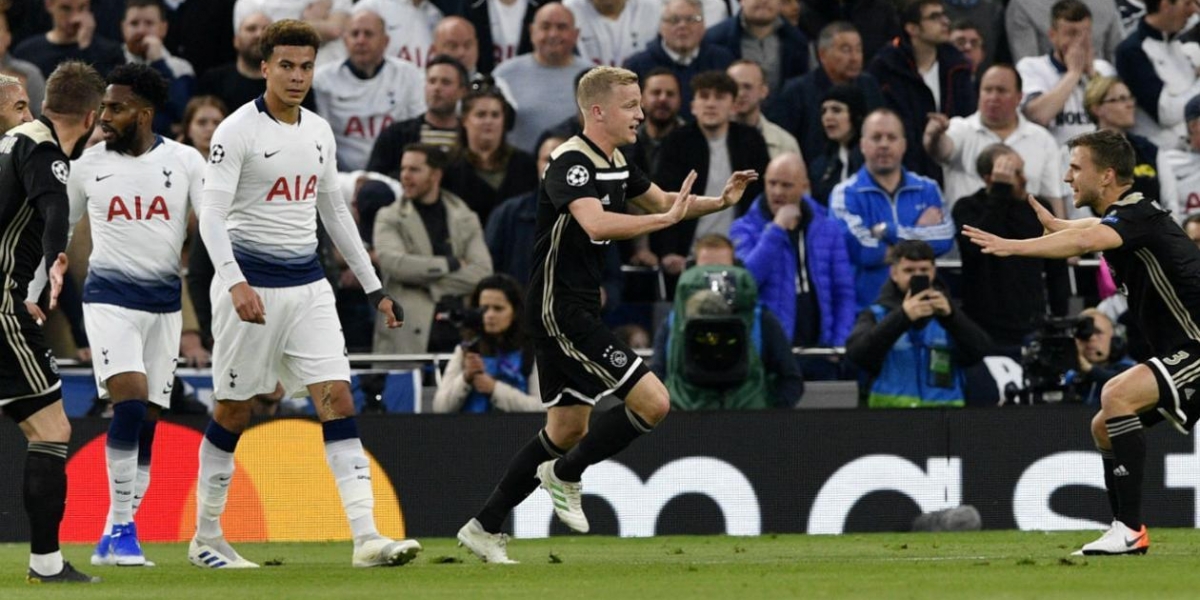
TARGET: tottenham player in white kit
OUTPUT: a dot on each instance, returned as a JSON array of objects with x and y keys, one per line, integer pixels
[
  {"x": 272, "y": 167},
  {"x": 135, "y": 188}
]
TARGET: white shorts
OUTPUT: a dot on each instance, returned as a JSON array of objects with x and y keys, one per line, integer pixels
[
  {"x": 124, "y": 340},
  {"x": 300, "y": 344}
]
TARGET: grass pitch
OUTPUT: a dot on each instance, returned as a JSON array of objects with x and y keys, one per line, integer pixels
[{"x": 998, "y": 564}]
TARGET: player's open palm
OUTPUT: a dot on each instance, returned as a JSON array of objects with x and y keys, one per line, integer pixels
[
  {"x": 248, "y": 304},
  {"x": 990, "y": 243},
  {"x": 1050, "y": 222},
  {"x": 683, "y": 199},
  {"x": 735, "y": 186}
]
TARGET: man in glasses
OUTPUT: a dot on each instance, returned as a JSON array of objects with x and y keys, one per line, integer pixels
[
  {"x": 966, "y": 36},
  {"x": 681, "y": 48},
  {"x": 923, "y": 73}
]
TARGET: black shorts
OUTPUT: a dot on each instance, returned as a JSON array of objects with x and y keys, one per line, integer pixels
[
  {"x": 1178, "y": 376},
  {"x": 582, "y": 368},
  {"x": 28, "y": 372}
]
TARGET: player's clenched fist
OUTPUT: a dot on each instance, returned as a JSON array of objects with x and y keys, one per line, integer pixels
[{"x": 248, "y": 304}]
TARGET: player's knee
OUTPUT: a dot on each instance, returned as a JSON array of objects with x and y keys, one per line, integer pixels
[
  {"x": 1099, "y": 431},
  {"x": 654, "y": 405},
  {"x": 566, "y": 435},
  {"x": 1115, "y": 399},
  {"x": 233, "y": 416},
  {"x": 48, "y": 430}
]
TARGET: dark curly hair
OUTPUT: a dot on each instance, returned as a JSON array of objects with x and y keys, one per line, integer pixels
[
  {"x": 288, "y": 32},
  {"x": 145, "y": 82}
]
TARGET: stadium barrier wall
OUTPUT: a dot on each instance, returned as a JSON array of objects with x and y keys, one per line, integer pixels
[{"x": 739, "y": 473}]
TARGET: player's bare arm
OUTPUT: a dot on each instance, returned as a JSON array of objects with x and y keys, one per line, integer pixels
[
  {"x": 1053, "y": 224},
  {"x": 656, "y": 200},
  {"x": 602, "y": 226},
  {"x": 1074, "y": 241}
]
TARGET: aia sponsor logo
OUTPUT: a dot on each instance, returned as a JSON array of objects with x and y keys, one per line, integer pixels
[
  {"x": 366, "y": 127},
  {"x": 296, "y": 189},
  {"x": 138, "y": 209}
]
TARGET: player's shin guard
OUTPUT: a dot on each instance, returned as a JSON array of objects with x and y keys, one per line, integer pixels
[
  {"x": 1128, "y": 441},
  {"x": 1110, "y": 481},
  {"x": 121, "y": 457},
  {"x": 145, "y": 455},
  {"x": 212, "y": 484},
  {"x": 612, "y": 433},
  {"x": 352, "y": 471},
  {"x": 519, "y": 481},
  {"x": 45, "y": 501}
]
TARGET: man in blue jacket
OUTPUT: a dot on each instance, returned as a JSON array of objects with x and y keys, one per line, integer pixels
[
  {"x": 912, "y": 341},
  {"x": 798, "y": 257},
  {"x": 884, "y": 203}
]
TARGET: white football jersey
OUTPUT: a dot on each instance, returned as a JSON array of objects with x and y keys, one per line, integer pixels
[
  {"x": 606, "y": 41},
  {"x": 358, "y": 109},
  {"x": 409, "y": 28},
  {"x": 1179, "y": 182},
  {"x": 506, "y": 22},
  {"x": 1039, "y": 74},
  {"x": 274, "y": 171},
  {"x": 138, "y": 210}
]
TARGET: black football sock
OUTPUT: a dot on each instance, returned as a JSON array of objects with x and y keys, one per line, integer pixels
[
  {"x": 45, "y": 494},
  {"x": 612, "y": 433},
  {"x": 1110, "y": 481},
  {"x": 1128, "y": 441},
  {"x": 518, "y": 482}
]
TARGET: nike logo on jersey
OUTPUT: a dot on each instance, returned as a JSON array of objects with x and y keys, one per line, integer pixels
[
  {"x": 102, "y": 178},
  {"x": 270, "y": 154}
]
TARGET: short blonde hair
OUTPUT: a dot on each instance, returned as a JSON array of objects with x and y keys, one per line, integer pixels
[
  {"x": 1095, "y": 92},
  {"x": 597, "y": 83}
]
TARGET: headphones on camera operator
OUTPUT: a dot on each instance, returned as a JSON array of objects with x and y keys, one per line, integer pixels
[{"x": 1085, "y": 328}]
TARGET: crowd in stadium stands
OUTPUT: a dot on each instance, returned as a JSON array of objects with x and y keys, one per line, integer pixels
[{"x": 872, "y": 123}]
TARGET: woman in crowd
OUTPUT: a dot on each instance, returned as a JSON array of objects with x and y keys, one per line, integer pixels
[
  {"x": 200, "y": 120},
  {"x": 1111, "y": 105},
  {"x": 489, "y": 170},
  {"x": 842, "y": 112},
  {"x": 493, "y": 369}
]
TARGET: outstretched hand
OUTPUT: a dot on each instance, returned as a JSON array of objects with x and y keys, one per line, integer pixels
[
  {"x": 735, "y": 186},
  {"x": 990, "y": 243},
  {"x": 1049, "y": 222},
  {"x": 683, "y": 199}
]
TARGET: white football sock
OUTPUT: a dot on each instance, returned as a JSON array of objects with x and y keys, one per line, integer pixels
[
  {"x": 46, "y": 564},
  {"x": 140, "y": 486},
  {"x": 212, "y": 489},
  {"x": 352, "y": 471},
  {"x": 122, "y": 473}
]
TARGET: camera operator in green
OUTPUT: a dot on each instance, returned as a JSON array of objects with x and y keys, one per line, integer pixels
[
  {"x": 725, "y": 351},
  {"x": 913, "y": 342}
]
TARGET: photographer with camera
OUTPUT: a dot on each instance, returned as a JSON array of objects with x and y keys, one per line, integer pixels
[
  {"x": 493, "y": 369},
  {"x": 1101, "y": 353},
  {"x": 913, "y": 342}
]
